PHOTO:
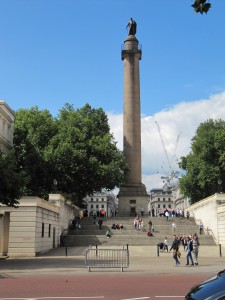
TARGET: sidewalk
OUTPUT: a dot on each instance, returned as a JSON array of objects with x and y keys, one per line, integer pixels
[
  {"x": 135, "y": 251},
  {"x": 57, "y": 263}
]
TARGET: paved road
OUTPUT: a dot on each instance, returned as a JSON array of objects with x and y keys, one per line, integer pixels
[
  {"x": 97, "y": 286},
  {"x": 60, "y": 277}
]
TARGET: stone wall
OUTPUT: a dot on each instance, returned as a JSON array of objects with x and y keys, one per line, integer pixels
[
  {"x": 29, "y": 227},
  {"x": 221, "y": 225},
  {"x": 211, "y": 212},
  {"x": 35, "y": 226}
]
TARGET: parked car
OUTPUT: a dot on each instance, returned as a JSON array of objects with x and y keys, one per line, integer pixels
[{"x": 210, "y": 289}]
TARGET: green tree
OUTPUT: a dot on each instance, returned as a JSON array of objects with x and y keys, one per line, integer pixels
[
  {"x": 76, "y": 148},
  {"x": 84, "y": 154},
  {"x": 11, "y": 180},
  {"x": 205, "y": 164},
  {"x": 201, "y": 6},
  {"x": 32, "y": 132}
]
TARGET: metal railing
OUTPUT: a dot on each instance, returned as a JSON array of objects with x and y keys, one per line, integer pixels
[{"x": 107, "y": 258}]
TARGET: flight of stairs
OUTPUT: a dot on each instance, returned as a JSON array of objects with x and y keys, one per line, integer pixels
[{"x": 90, "y": 235}]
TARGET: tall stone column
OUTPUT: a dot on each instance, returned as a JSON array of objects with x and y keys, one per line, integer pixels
[{"x": 132, "y": 195}]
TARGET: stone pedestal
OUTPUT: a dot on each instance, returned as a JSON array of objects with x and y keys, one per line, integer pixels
[{"x": 132, "y": 195}]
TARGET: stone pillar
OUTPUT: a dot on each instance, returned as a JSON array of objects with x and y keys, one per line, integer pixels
[{"x": 132, "y": 195}]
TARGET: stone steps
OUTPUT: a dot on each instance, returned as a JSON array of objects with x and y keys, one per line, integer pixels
[
  {"x": 90, "y": 234},
  {"x": 85, "y": 241}
]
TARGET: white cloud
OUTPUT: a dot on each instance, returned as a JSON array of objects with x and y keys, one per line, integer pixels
[{"x": 180, "y": 120}]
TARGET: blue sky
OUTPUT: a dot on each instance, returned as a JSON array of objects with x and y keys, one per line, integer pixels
[{"x": 58, "y": 51}]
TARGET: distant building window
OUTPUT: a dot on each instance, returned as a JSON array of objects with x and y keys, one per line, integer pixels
[
  {"x": 49, "y": 230},
  {"x": 164, "y": 206},
  {"x": 164, "y": 199},
  {"x": 102, "y": 199},
  {"x": 43, "y": 230},
  {"x": 158, "y": 205},
  {"x": 169, "y": 199},
  {"x": 92, "y": 206},
  {"x": 132, "y": 201},
  {"x": 169, "y": 205},
  {"x": 158, "y": 199},
  {"x": 103, "y": 206},
  {"x": 96, "y": 199},
  {"x": 91, "y": 199},
  {"x": 97, "y": 206}
]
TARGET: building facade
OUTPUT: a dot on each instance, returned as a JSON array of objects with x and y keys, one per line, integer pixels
[
  {"x": 180, "y": 201},
  {"x": 99, "y": 202},
  {"x": 169, "y": 198},
  {"x": 7, "y": 116},
  {"x": 160, "y": 200}
]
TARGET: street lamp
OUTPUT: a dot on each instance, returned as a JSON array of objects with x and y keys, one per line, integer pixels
[
  {"x": 220, "y": 185},
  {"x": 55, "y": 185}
]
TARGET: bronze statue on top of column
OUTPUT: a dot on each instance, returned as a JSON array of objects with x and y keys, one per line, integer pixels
[{"x": 132, "y": 25}]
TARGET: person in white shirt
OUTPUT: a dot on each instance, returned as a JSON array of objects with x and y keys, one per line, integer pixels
[{"x": 174, "y": 227}]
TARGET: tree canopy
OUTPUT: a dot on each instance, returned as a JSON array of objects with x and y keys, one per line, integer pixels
[
  {"x": 11, "y": 180},
  {"x": 201, "y": 6},
  {"x": 33, "y": 129},
  {"x": 205, "y": 164},
  {"x": 76, "y": 149},
  {"x": 84, "y": 152}
]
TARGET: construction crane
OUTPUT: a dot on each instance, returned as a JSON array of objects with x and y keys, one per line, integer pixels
[{"x": 172, "y": 173}]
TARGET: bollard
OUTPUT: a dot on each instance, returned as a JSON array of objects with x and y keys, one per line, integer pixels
[
  {"x": 66, "y": 249},
  {"x": 220, "y": 249},
  {"x": 157, "y": 250}
]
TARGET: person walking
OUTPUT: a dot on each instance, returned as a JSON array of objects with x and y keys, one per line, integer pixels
[
  {"x": 165, "y": 244},
  {"x": 100, "y": 223},
  {"x": 195, "y": 244},
  {"x": 174, "y": 227},
  {"x": 94, "y": 217},
  {"x": 167, "y": 215},
  {"x": 189, "y": 250},
  {"x": 200, "y": 228},
  {"x": 175, "y": 248},
  {"x": 188, "y": 215}
]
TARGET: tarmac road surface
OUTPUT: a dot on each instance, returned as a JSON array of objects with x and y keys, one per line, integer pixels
[
  {"x": 108, "y": 286},
  {"x": 61, "y": 278}
]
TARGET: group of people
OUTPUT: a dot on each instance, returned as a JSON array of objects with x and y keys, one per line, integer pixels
[
  {"x": 168, "y": 213},
  {"x": 75, "y": 224},
  {"x": 190, "y": 244},
  {"x": 138, "y": 223},
  {"x": 117, "y": 226},
  {"x": 163, "y": 246}
]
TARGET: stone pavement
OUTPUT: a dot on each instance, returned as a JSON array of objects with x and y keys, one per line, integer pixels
[
  {"x": 135, "y": 251},
  {"x": 57, "y": 263}
]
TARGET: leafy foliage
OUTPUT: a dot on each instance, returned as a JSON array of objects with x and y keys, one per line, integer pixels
[
  {"x": 76, "y": 148},
  {"x": 201, "y": 6},
  {"x": 205, "y": 164},
  {"x": 11, "y": 180},
  {"x": 32, "y": 132},
  {"x": 84, "y": 152}
]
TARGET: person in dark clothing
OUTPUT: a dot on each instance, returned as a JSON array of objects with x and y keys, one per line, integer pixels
[
  {"x": 175, "y": 248},
  {"x": 100, "y": 223},
  {"x": 61, "y": 240}
]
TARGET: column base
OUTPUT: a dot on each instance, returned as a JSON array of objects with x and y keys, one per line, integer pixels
[{"x": 133, "y": 200}]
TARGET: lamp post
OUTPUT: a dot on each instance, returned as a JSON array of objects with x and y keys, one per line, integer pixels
[
  {"x": 55, "y": 185},
  {"x": 220, "y": 185}
]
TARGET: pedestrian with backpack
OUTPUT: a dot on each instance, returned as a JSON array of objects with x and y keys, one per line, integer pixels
[{"x": 189, "y": 250}]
